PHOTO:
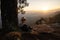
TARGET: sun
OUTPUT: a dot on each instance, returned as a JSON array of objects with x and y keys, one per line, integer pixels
[{"x": 45, "y": 8}]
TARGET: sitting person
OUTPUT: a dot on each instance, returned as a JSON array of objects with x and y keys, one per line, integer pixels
[{"x": 23, "y": 27}]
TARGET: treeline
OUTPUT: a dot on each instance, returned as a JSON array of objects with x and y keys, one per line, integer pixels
[
  {"x": 51, "y": 19},
  {"x": 56, "y": 18}
]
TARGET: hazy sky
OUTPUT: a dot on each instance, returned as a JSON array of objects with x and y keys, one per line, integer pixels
[{"x": 43, "y": 4}]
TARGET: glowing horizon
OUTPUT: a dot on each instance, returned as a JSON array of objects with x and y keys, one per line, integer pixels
[{"x": 43, "y": 5}]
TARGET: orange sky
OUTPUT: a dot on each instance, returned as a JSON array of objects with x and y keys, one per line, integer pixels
[{"x": 43, "y": 5}]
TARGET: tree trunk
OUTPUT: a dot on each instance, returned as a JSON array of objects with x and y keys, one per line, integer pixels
[{"x": 9, "y": 15}]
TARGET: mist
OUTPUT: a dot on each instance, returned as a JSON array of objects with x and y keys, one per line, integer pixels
[{"x": 32, "y": 16}]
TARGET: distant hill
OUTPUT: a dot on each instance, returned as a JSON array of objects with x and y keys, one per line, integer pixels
[{"x": 33, "y": 16}]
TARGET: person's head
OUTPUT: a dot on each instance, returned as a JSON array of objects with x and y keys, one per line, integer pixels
[{"x": 23, "y": 20}]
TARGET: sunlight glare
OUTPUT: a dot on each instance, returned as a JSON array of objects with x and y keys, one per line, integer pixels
[{"x": 45, "y": 8}]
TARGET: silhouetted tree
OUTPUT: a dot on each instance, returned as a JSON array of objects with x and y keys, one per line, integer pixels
[
  {"x": 57, "y": 17},
  {"x": 40, "y": 21}
]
